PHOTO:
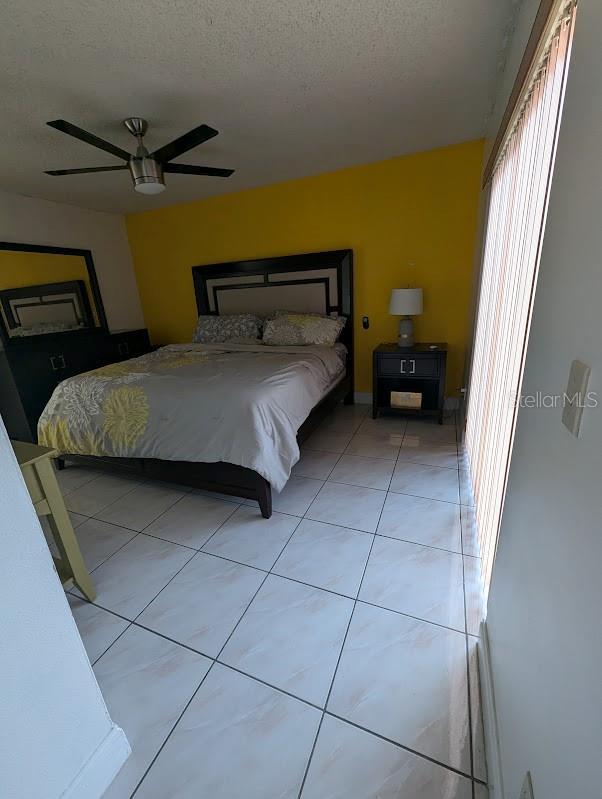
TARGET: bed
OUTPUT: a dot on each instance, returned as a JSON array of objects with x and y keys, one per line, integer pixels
[{"x": 222, "y": 417}]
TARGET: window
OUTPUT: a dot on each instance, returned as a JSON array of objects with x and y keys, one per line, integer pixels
[{"x": 518, "y": 177}]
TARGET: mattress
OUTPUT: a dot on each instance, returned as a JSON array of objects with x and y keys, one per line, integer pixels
[{"x": 238, "y": 403}]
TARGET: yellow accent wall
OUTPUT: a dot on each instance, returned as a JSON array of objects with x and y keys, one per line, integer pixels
[{"x": 410, "y": 220}]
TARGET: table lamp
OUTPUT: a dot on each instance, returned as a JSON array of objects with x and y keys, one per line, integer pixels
[{"x": 406, "y": 303}]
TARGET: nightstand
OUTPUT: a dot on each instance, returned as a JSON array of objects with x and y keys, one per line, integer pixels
[{"x": 420, "y": 368}]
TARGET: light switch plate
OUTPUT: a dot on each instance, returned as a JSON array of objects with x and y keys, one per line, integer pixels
[{"x": 575, "y": 396}]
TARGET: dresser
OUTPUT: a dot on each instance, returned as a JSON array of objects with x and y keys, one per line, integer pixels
[
  {"x": 31, "y": 367},
  {"x": 418, "y": 369}
]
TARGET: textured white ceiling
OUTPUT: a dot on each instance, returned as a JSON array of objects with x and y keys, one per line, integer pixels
[{"x": 295, "y": 87}]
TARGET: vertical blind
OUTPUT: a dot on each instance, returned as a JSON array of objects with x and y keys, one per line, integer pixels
[{"x": 519, "y": 189}]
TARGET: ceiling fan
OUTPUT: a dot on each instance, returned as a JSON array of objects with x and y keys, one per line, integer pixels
[{"x": 147, "y": 169}]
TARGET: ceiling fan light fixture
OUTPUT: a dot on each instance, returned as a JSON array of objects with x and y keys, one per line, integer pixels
[
  {"x": 147, "y": 175},
  {"x": 149, "y": 186}
]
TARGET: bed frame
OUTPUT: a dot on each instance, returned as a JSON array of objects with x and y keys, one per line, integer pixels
[{"x": 319, "y": 282}]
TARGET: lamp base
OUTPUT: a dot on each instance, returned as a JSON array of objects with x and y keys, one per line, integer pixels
[{"x": 406, "y": 332}]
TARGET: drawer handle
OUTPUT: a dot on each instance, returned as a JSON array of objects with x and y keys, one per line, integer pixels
[
  {"x": 413, "y": 367},
  {"x": 123, "y": 348},
  {"x": 401, "y": 366},
  {"x": 57, "y": 362}
]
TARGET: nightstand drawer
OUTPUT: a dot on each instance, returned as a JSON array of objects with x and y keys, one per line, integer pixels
[{"x": 409, "y": 366}]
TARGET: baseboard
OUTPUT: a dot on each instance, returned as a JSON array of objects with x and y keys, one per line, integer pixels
[
  {"x": 101, "y": 768},
  {"x": 490, "y": 720}
]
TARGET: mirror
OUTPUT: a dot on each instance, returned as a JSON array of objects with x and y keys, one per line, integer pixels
[{"x": 47, "y": 290}]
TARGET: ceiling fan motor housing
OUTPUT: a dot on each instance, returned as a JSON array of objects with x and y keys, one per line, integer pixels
[
  {"x": 147, "y": 175},
  {"x": 146, "y": 172}
]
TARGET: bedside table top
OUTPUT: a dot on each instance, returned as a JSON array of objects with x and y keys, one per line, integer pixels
[{"x": 393, "y": 348}]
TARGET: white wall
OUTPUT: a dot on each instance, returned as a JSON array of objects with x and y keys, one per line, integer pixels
[
  {"x": 54, "y": 726},
  {"x": 33, "y": 221},
  {"x": 546, "y": 593}
]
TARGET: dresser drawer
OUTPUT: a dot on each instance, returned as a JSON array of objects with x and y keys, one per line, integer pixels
[
  {"x": 127, "y": 344},
  {"x": 410, "y": 366}
]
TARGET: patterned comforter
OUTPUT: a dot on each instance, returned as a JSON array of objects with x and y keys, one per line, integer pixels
[{"x": 239, "y": 403}]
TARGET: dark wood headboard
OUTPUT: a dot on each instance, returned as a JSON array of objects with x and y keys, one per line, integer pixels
[{"x": 321, "y": 282}]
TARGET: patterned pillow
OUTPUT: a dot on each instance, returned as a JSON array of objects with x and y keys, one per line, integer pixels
[
  {"x": 292, "y": 329},
  {"x": 217, "y": 329}
]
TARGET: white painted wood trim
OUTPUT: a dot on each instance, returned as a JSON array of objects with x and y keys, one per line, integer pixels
[
  {"x": 490, "y": 720},
  {"x": 101, "y": 768}
]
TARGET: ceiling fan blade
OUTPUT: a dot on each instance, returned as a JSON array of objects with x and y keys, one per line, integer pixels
[
  {"x": 185, "y": 169},
  {"x": 85, "y": 169},
  {"x": 89, "y": 138},
  {"x": 184, "y": 143}
]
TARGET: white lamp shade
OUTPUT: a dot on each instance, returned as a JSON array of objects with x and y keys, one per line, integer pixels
[{"x": 405, "y": 302}]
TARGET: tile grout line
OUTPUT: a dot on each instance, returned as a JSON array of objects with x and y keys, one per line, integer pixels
[
  {"x": 186, "y": 706},
  {"x": 405, "y": 748},
  {"x": 311, "y": 754},
  {"x": 104, "y": 652},
  {"x": 285, "y": 513},
  {"x": 215, "y": 660},
  {"x": 149, "y": 535},
  {"x": 468, "y": 680},
  {"x": 336, "y": 668},
  {"x": 466, "y": 652},
  {"x": 112, "y": 502},
  {"x": 283, "y": 577},
  {"x": 467, "y": 656}
]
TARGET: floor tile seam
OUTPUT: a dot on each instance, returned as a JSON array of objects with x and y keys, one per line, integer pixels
[
  {"x": 420, "y": 544},
  {"x": 424, "y": 463},
  {"x": 267, "y": 574},
  {"x": 177, "y": 502},
  {"x": 112, "y": 502},
  {"x": 215, "y": 660},
  {"x": 324, "y": 479},
  {"x": 357, "y": 485},
  {"x": 356, "y": 598},
  {"x": 169, "y": 734},
  {"x": 421, "y": 496},
  {"x": 106, "y": 649},
  {"x": 152, "y": 521},
  {"x": 70, "y": 490},
  {"x": 336, "y": 668},
  {"x": 102, "y": 607},
  {"x": 129, "y": 541},
  {"x": 468, "y": 682},
  {"x": 406, "y": 748}
]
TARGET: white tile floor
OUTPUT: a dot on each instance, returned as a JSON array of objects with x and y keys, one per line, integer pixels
[{"x": 328, "y": 653}]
